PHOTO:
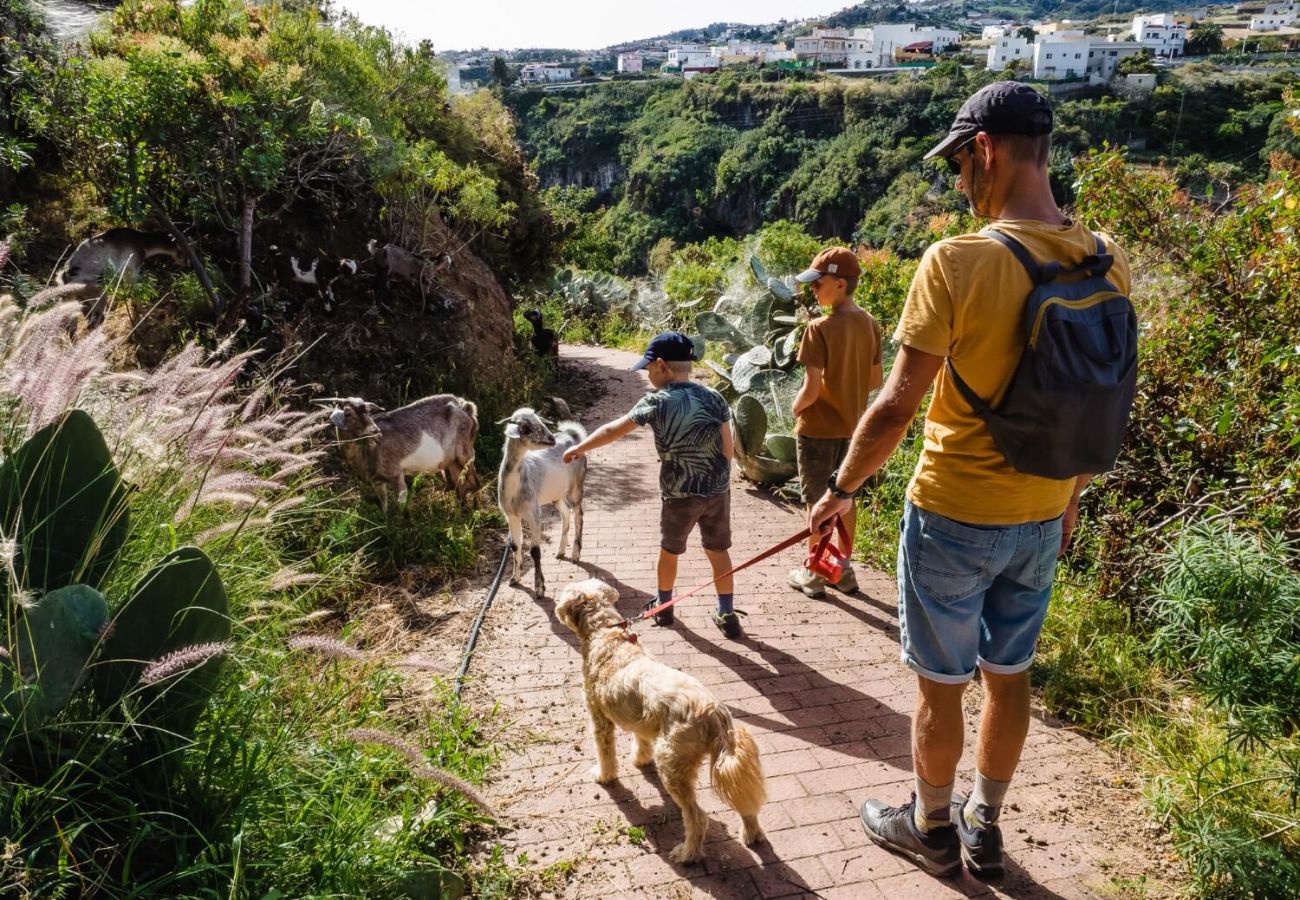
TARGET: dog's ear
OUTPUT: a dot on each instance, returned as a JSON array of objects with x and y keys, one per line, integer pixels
[{"x": 569, "y": 608}]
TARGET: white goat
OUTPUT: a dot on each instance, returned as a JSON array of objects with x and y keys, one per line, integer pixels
[{"x": 534, "y": 474}]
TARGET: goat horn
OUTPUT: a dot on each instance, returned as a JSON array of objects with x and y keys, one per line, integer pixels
[
  {"x": 329, "y": 399},
  {"x": 505, "y": 420}
]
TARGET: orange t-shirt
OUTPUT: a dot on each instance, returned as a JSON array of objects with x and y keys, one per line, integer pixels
[
  {"x": 845, "y": 345},
  {"x": 967, "y": 302}
]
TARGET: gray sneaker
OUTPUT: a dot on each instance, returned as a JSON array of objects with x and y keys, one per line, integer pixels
[
  {"x": 892, "y": 827},
  {"x": 981, "y": 846},
  {"x": 803, "y": 580},
  {"x": 848, "y": 583}
]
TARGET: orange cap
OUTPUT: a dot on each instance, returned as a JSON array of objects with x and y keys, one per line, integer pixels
[{"x": 838, "y": 261}]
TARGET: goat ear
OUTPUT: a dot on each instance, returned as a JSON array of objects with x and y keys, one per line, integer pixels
[{"x": 512, "y": 431}]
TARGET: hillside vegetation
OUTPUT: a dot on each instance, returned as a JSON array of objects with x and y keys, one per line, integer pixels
[{"x": 719, "y": 156}]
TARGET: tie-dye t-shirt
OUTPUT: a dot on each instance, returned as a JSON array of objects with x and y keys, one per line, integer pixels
[{"x": 686, "y": 419}]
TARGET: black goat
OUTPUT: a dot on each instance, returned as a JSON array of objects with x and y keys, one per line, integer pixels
[{"x": 545, "y": 341}]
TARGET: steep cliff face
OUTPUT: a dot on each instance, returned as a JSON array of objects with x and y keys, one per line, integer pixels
[{"x": 602, "y": 175}]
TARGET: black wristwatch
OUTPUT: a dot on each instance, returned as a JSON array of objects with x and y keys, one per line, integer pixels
[{"x": 835, "y": 490}]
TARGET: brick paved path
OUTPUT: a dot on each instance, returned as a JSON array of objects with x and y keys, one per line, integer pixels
[{"x": 818, "y": 682}]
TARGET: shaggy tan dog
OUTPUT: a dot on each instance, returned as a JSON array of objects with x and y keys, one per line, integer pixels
[{"x": 677, "y": 722}]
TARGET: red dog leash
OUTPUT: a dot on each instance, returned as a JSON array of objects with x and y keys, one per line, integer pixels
[{"x": 826, "y": 560}]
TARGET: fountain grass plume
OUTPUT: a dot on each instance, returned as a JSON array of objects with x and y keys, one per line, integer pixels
[
  {"x": 420, "y": 766},
  {"x": 324, "y": 646},
  {"x": 182, "y": 660}
]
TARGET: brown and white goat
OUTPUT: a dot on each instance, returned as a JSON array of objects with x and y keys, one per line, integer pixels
[
  {"x": 116, "y": 253},
  {"x": 397, "y": 262},
  {"x": 435, "y": 434}
]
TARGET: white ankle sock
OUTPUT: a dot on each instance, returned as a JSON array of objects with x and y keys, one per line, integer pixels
[
  {"x": 988, "y": 794},
  {"x": 932, "y": 805}
]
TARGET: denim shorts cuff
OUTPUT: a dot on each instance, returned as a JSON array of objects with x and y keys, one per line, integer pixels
[
  {"x": 998, "y": 669},
  {"x": 935, "y": 676}
]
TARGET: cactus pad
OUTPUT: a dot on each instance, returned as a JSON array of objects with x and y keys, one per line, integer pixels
[
  {"x": 60, "y": 493},
  {"x": 181, "y": 602},
  {"x": 52, "y": 642}
]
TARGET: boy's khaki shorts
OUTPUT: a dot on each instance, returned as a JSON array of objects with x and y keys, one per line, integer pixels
[
  {"x": 679, "y": 515},
  {"x": 818, "y": 458}
]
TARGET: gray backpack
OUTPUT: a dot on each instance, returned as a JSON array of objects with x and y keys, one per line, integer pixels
[{"x": 1067, "y": 407}]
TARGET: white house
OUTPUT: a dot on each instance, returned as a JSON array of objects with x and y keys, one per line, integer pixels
[
  {"x": 630, "y": 62},
  {"x": 881, "y": 45},
  {"x": 545, "y": 73},
  {"x": 1059, "y": 59},
  {"x": 1008, "y": 49},
  {"x": 1276, "y": 15},
  {"x": 1104, "y": 56},
  {"x": 688, "y": 56},
  {"x": 994, "y": 32},
  {"x": 1162, "y": 34}
]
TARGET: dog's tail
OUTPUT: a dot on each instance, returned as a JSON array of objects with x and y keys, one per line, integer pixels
[{"x": 737, "y": 770}]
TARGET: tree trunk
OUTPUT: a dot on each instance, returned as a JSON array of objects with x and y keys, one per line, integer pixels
[
  {"x": 246, "y": 245},
  {"x": 217, "y": 306}
]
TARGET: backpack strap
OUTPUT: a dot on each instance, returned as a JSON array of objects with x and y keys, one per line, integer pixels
[
  {"x": 977, "y": 404},
  {"x": 1098, "y": 263},
  {"x": 1039, "y": 273}
]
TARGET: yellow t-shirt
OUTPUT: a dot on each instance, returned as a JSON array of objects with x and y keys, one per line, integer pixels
[{"x": 967, "y": 302}]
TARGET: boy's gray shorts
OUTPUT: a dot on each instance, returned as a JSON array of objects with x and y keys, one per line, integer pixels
[
  {"x": 679, "y": 515},
  {"x": 818, "y": 458}
]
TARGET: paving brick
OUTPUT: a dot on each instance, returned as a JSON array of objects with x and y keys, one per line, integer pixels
[{"x": 819, "y": 684}]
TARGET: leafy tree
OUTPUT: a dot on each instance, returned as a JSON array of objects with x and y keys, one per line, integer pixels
[
  {"x": 1139, "y": 63},
  {"x": 1027, "y": 32},
  {"x": 585, "y": 71},
  {"x": 23, "y": 41},
  {"x": 1204, "y": 39},
  {"x": 502, "y": 74}
]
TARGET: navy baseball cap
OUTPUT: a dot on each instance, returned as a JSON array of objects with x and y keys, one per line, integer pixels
[
  {"x": 671, "y": 346},
  {"x": 1004, "y": 107}
]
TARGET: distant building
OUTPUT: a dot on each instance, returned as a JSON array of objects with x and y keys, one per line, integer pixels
[
  {"x": 1055, "y": 60},
  {"x": 1104, "y": 56},
  {"x": 545, "y": 73},
  {"x": 688, "y": 56},
  {"x": 631, "y": 63},
  {"x": 1162, "y": 34},
  {"x": 825, "y": 46},
  {"x": 1275, "y": 16},
  {"x": 886, "y": 45},
  {"x": 1007, "y": 49}
]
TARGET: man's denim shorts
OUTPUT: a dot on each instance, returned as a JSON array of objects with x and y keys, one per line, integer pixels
[{"x": 972, "y": 595}]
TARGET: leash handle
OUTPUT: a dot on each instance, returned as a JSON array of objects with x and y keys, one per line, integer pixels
[
  {"x": 771, "y": 551},
  {"x": 819, "y": 560}
]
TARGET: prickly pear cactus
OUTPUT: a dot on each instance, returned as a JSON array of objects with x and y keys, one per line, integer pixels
[
  {"x": 50, "y": 646},
  {"x": 61, "y": 496},
  {"x": 749, "y": 427},
  {"x": 180, "y": 603}
]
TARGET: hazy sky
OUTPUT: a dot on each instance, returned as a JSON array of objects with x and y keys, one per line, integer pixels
[{"x": 580, "y": 24}]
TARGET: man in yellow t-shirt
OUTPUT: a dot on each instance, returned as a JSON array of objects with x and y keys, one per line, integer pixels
[
  {"x": 842, "y": 361},
  {"x": 979, "y": 540}
]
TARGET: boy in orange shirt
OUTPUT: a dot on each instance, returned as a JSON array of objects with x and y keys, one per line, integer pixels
[{"x": 843, "y": 362}]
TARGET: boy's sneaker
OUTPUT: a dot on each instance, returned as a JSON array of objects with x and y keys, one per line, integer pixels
[
  {"x": 811, "y": 584},
  {"x": 981, "y": 845},
  {"x": 662, "y": 619},
  {"x": 729, "y": 623},
  {"x": 848, "y": 583},
  {"x": 892, "y": 827}
]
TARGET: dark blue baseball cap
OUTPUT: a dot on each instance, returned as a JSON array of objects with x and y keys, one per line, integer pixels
[{"x": 671, "y": 346}]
